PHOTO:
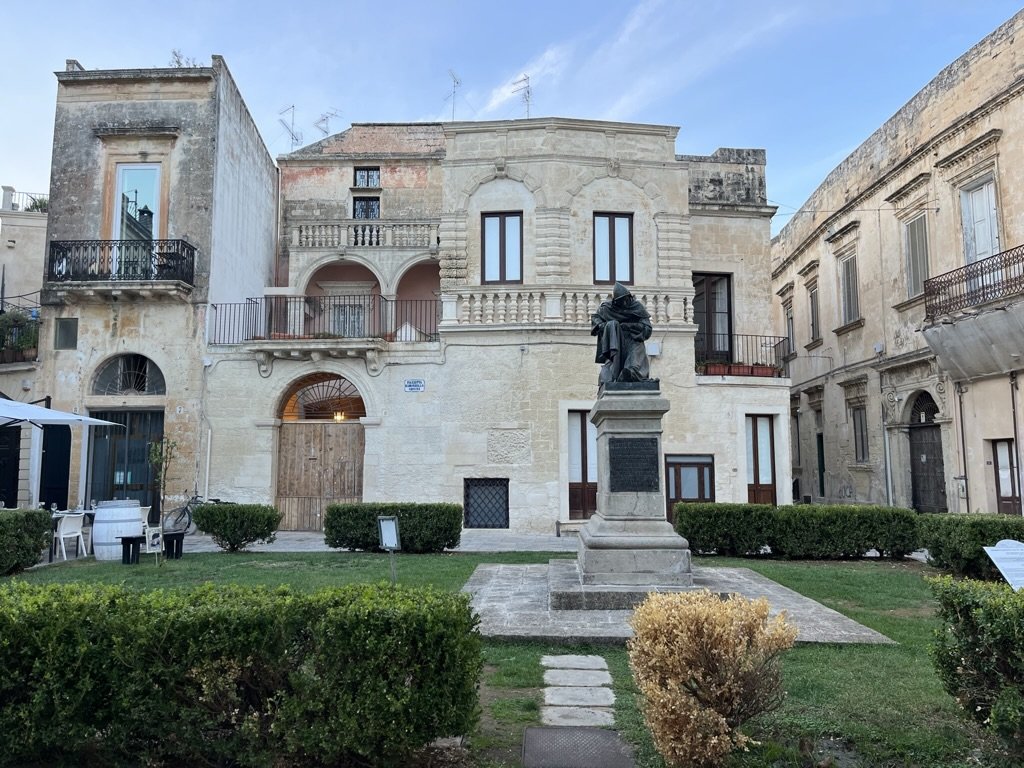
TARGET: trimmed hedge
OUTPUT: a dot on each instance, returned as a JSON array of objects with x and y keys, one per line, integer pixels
[
  {"x": 24, "y": 534},
  {"x": 97, "y": 674},
  {"x": 978, "y": 655},
  {"x": 236, "y": 526},
  {"x": 954, "y": 541},
  {"x": 799, "y": 531},
  {"x": 422, "y": 527}
]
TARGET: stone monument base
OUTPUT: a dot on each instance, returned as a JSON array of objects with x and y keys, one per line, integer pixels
[
  {"x": 644, "y": 553},
  {"x": 566, "y": 592}
]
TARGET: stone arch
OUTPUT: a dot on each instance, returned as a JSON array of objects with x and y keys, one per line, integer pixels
[
  {"x": 319, "y": 396},
  {"x": 532, "y": 184},
  {"x": 310, "y": 371},
  {"x": 613, "y": 171},
  {"x": 417, "y": 260},
  {"x": 128, "y": 373},
  {"x": 306, "y": 276}
]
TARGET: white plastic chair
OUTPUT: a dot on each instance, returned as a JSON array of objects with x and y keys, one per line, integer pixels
[
  {"x": 70, "y": 527},
  {"x": 154, "y": 534}
]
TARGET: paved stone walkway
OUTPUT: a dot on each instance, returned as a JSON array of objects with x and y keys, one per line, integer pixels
[
  {"x": 512, "y": 601},
  {"x": 576, "y": 692}
]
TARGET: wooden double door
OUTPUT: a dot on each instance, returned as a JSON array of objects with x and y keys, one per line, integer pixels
[{"x": 318, "y": 463}]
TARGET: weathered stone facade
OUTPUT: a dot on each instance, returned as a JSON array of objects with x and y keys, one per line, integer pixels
[
  {"x": 882, "y": 244},
  {"x": 371, "y": 351}
]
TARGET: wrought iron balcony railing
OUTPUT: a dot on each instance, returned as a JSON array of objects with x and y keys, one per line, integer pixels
[
  {"x": 986, "y": 280},
  {"x": 321, "y": 318},
  {"x": 121, "y": 260},
  {"x": 741, "y": 354}
]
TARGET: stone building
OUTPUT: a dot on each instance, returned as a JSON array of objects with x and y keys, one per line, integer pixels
[
  {"x": 413, "y": 323},
  {"x": 163, "y": 198},
  {"x": 899, "y": 285},
  {"x": 22, "y": 245}
]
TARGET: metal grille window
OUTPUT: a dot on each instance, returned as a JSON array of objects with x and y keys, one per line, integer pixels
[
  {"x": 485, "y": 500},
  {"x": 859, "y": 415},
  {"x": 66, "y": 333},
  {"x": 848, "y": 289},
  {"x": 916, "y": 234},
  {"x": 366, "y": 208},
  {"x": 130, "y": 375},
  {"x": 502, "y": 247},
  {"x": 613, "y": 248},
  {"x": 367, "y": 177}
]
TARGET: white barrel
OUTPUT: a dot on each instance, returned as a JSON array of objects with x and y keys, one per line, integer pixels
[{"x": 115, "y": 518}]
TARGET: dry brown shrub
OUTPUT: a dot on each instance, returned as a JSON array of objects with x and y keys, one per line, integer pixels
[{"x": 704, "y": 666}]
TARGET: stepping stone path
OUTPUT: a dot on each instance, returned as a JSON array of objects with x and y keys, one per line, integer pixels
[{"x": 578, "y": 691}]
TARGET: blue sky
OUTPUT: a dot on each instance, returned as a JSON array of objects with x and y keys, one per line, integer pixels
[{"x": 807, "y": 80}]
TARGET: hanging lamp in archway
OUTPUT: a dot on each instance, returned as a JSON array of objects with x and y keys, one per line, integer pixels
[{"x": 321, "y": 397}]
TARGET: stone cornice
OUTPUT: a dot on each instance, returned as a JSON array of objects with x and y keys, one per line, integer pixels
[
  {"x": 837, "y": 237},
  {"x": 807, "y": 269},
  {"x": 901, "y": 194},
  {"x": 785, "y": 291},
  {"x": 968, "y": 154}
]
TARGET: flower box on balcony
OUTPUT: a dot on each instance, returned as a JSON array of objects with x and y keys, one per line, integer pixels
[
  {"x": 740, "y": 369},
  {"x": 764, "y": 370},
  {"x": 716, "y": 369}
]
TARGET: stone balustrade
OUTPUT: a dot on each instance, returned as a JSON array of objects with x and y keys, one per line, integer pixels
[
  {"x": 573, "y": 306},
  {"x": 366, "y": 233}
]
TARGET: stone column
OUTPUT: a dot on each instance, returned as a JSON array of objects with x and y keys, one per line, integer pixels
[{"x": 629, "y": 541}]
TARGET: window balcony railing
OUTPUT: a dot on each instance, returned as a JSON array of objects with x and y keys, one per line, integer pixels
[
  {"x": 986, "y": 280},
  {"x": 740, "y": 354},
  {"x": 324, "y": 318},
  {"x": 93, "y": 261}
]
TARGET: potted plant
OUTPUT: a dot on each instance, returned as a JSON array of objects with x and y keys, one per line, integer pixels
[
  {"x": 28, "y": 339},
  {"x": 765, "y": 369},
  {"x": 716, "y": 369},
  {"x": 13, "y": 323},
  {"x": 740, "y": 369}
]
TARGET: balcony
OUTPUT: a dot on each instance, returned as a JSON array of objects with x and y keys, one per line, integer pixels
[
  {"x": 740, "y": 354},
  {"x": 997, "y": 277},
  {"x": 314, "y": 327},
  {"x": 367, "y": 233},
  {"x": 974, "y": 316},
  {"x": 78, "y": 269}
]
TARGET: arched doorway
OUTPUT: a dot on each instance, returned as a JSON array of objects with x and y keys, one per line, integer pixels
[
  {"x": 927, "y": 475},
  {"x": 120, "y": 467},
  {"x": 320, "y": 449}
]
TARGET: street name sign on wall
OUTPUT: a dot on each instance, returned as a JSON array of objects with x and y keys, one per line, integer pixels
[
  {"x": 1008, "y": 555},
  {"x": 415, "y": 385}
]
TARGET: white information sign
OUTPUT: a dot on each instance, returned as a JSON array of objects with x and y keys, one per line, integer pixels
[
  {"x": 415, "y": 385},
  {"x": 1008, "y": 556},
  {"x": 388, "y": 527}
]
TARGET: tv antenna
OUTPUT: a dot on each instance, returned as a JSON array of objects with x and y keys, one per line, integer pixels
[
  {"x": 456, "y": 82},
  {"x": 295, "y": 136},
  {"x": 324, "y": 123},
  {"x": 524, "y": 88}
]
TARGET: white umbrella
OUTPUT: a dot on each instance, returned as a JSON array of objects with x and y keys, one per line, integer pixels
[{"x": 16, "y": 412}]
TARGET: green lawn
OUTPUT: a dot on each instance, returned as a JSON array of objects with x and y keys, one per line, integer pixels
[{"x": 864, "y": 705}]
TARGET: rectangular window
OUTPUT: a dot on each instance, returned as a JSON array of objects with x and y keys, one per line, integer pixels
[
  {"x": 859, "y": 415},
  {"x": 485, "y": 502},
  {"x": 366, "y": 208},
  {"x": 812, "y": 311},
  {"x": 367, "y": 177},
  {"x": 916, "y": 239},
  {"x": 712, "y": 312},
  {"x": 689, "y": 478},
  {"x": 613, "y": 248},
  {"x": 66, "y": 333},
  {"x": 582, "y": 466},
  {"x": 980, "y": 222},
  {"x": 502, "y": 247},
  {"x": 760, "y": 460},
  {"x": 790, "y": 328},
  {"x": 848, "y": 289},
  {"x": 1004, "y": 462},
  {"x": 137, "y": 202},
  {"x": 795, "y": 437}
]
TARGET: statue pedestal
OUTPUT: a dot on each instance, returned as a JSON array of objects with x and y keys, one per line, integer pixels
[{"x": 629, "y": 541}]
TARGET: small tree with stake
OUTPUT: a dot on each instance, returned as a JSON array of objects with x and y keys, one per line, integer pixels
[{"x": 161, "y": 454}]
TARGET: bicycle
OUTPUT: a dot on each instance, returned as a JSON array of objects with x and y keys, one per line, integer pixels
[{"x": 180, "y": 518}]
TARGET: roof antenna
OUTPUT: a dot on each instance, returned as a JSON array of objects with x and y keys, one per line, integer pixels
[
  {"x": 456, "y": 82},
  {"x": 324, "y": 123},
  {"x": 524, "y": 88},
  {"x": 296, "y": 136}
]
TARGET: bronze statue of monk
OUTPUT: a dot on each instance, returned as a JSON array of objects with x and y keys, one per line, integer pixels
[{"x": 622, "y": 325}]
